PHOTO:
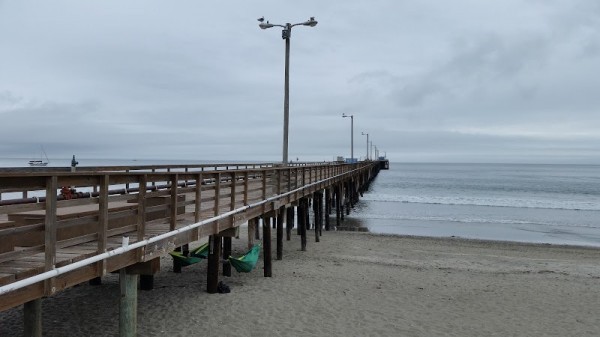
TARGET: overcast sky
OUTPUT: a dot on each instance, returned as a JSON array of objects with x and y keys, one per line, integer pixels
[{"x": 430, "y": 81}]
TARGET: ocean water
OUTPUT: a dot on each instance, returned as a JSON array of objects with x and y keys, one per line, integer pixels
[{"x": 557, "y": 204}]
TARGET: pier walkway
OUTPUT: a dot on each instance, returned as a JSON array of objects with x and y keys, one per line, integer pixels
[{"x": 60, "y": 228}]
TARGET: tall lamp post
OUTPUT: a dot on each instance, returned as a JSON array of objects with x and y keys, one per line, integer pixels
[
  {"x": 286, "y": 33},
  {"x": 351, "y": 135},
  {"x": 366, "y": 134}
]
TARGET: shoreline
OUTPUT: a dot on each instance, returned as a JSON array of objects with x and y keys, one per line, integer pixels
[
  {"x": 355, "y": 284},
  {"x": 485, "y": 241}
]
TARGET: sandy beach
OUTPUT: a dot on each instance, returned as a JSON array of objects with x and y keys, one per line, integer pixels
[{"x": 356, "y": 284}]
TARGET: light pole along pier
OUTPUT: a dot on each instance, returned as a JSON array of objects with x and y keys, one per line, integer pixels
[
  {"x": 351, "y": 135},
  {"x": 286, "y": 34}
]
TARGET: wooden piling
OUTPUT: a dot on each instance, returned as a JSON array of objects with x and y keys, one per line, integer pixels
[
  {"x": 177, "y": 263},
  {"x": 308, "y": 207},
  {"x": 302, "y": 224},
  {"x": 214, "y": 252},
  {"x": 96, "y": 281},
  {"x": 327, "y": 208},
  {"x": 320, "y": 211},
  {"x": 280, "y": 217},
  {"x": 32, "y": 318},
  {"x": 257, "y": 229},
  {"x": 338, "y": 206},
  {"x": 316, "y": 214},
  {"x": 267, "y": 248},
  {"x": 252, "y": 224},
  {"x": 128, "y": 304},
  {"x": 146, "y": 282},
  {"x": 289, "y": 223},
  {"x": 226, "y": 254},
  {"x": 300, "y": 211},
  {"x": 347, "y": 198}
]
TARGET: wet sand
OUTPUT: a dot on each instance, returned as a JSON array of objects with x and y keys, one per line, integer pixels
[{"x": 356, "y": 284}]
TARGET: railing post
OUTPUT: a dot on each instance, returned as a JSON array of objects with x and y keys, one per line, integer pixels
[
  {"x": 50, "y": 231},
  {"x": 103, "y": 220},
  {"x": 198, "y": 201},
  {"x": 246, "y": 177},
  {"x": 278, "y": 182},
  {"x": 289, "y": 182},
  {"x": 264, "y": 189},
  {"x": 173, "y": 223},
  {"x": 141, "y": 216},
  {"x": 232, "y": 189}
]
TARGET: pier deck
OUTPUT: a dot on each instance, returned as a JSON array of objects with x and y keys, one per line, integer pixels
[{"x": 158, "y": 211}]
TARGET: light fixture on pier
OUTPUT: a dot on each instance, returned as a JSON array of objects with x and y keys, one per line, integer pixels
[
  {"x": 351, "y": 135},
  {"x": 366, "y": 134},
  {"x": 286, "y": 33}
]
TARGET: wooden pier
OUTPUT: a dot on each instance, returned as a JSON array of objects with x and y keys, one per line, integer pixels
[{"x": 60, "y": 228}]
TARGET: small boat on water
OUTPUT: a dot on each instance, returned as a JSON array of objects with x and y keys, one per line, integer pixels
[{"x": 40, "y": 162}]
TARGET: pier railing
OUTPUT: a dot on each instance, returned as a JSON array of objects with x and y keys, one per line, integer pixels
[{"x": 76, "y": 216}]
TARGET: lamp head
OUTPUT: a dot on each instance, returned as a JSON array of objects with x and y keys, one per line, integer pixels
[
  {"x": 311, "y": 22},
  {"x": 266, "y": 25}
]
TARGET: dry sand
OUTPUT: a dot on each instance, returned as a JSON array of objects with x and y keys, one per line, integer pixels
[{"x": 356, "y": 284}]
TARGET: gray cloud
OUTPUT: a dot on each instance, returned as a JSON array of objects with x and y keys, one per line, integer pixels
[{"x": 504, "y": 81}]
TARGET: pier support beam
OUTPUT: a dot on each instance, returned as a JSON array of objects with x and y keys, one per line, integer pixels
[
  {"x": 327, "y": 208},
  {"x": 214, "y": 257},
  {"x": 32, "y": 318},
  {"x": 146, "y": 282},
  {"x": 339, "y": 211},
  {"x": 128, "y": 304},
  {"x": 280, "y": 216},
  {"x": 320, "y": 211},
  {"x": 185, "y": 250},
  {"x": 226, "y": 254},
  {"x": 299, "y": 216},
  {"x": 252, "y": 224},
  {"x": 257, "y": 229},
  {"x": 289, "y": 223},
  {"x": 316, "y": 202},
  {"x": 146, "y": 270},
  {"x": 177, "y": 263},
  {"x": 347, "y": 198},
  {"x": 302, "y": 212},
  {"x": 267, "y": 248},
  {"x": 96, "y": 281}
]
